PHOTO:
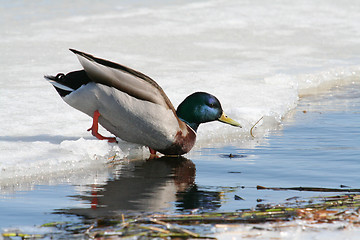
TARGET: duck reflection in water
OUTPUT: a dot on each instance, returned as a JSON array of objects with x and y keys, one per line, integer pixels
[{"x": 156, "y": 185}]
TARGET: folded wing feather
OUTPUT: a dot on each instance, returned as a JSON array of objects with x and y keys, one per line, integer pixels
[{"x": 124, "y": 79}]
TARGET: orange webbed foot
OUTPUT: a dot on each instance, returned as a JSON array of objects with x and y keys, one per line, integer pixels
[
  {"x": 94, "y": 129},
  {"x": 152, "y": 154}
]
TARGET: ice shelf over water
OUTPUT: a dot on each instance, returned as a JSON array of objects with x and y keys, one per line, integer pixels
[{"x": 257, "y": 57}]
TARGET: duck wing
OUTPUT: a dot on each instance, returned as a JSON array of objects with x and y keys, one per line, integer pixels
[{"x": 125, "y": 79}]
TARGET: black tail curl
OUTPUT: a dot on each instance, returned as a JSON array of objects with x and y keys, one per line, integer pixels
[{"x": 72, "y": 81}]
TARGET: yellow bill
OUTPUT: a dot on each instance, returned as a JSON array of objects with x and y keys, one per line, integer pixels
[{"x": 225, "y": 119}]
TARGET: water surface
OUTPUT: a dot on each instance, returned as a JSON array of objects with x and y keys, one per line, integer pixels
[
  {"x": 315, "y": 146},
  {"x": 294, "y": 63}
]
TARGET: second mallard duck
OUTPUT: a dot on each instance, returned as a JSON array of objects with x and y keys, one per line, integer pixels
[{"x": 133, "y": 107}]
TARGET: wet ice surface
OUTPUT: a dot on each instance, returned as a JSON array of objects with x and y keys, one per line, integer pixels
[
  {"x": 256, "y": 61},
  {"x": 315, "y": 146},
  {"x": 258, "y": 58}
]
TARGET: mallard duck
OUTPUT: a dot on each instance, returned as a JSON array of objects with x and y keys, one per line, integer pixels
[{"x": 134, "y": 107}]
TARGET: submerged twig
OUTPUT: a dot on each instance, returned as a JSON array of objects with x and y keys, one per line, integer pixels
[
  {"x": 170, "y": 226},
  {"x": 123, "y": 218},
  {"x": 310, "y": 189},
  {"x": 327, "y": 209},
  {"x": 251, "y": 129},
  {"x": 87, "y": 232},
  {"x": 22, "y": 235},
  {"x": 156, "y": 229}
]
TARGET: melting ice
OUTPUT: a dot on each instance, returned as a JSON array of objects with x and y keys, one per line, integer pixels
[{"x": 257, "y": 57}]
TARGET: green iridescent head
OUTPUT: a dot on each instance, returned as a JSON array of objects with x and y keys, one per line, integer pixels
[{"x": 201, "y": 107}]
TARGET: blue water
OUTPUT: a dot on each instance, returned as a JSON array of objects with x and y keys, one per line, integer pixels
[
  {"x": 35, "y": 207},
  {"x": 317, "y": 145}
]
